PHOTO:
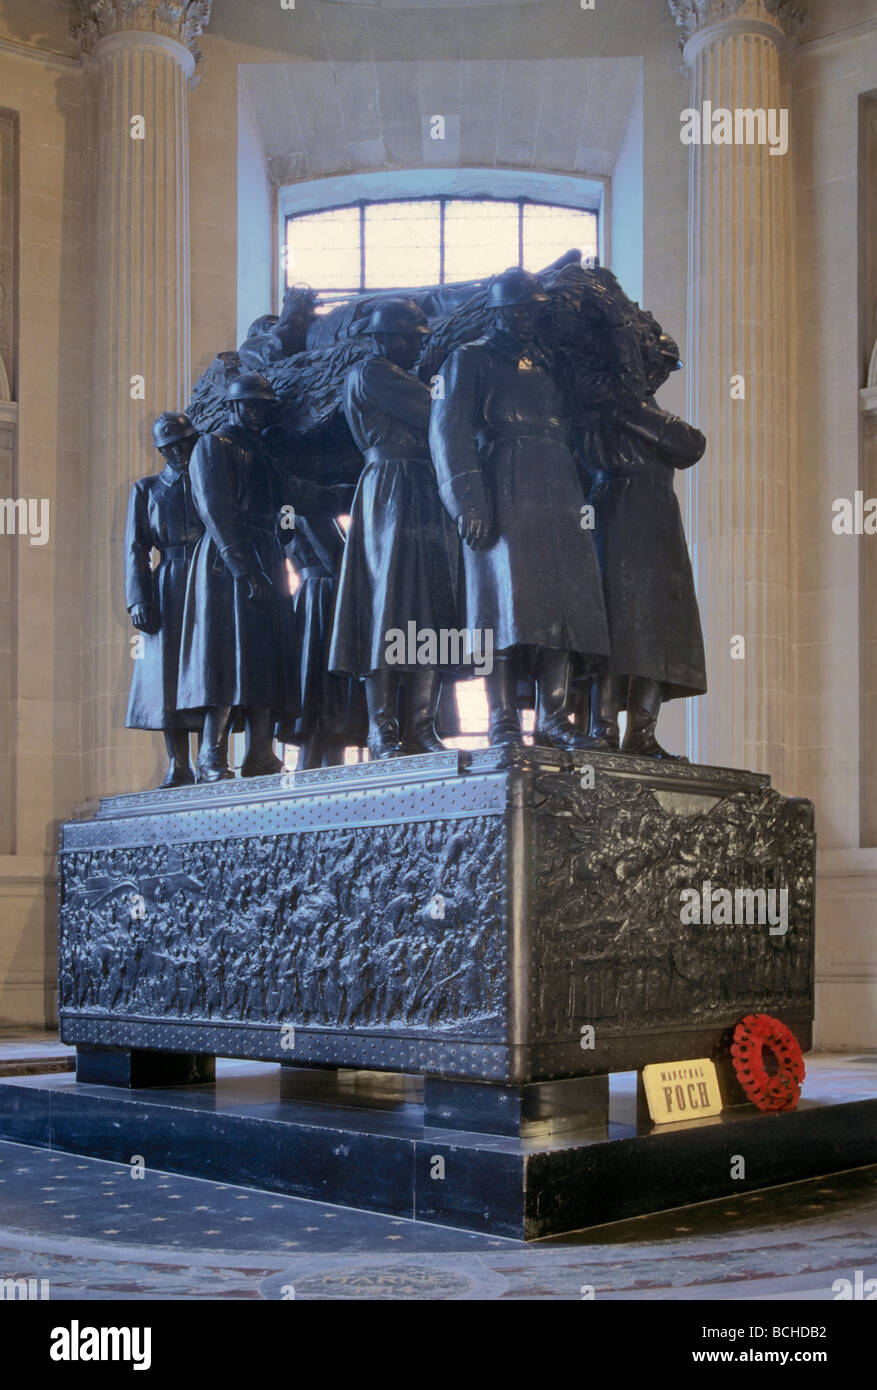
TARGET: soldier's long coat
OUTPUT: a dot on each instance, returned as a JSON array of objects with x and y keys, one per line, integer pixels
[
  {"x": 328, "y": 704},
  {"x": 654, "y": 619},
  {"x": 401, "y": 560},
  {"x": 161, "y": 516},
  {"x": 236, "y": 651},
  {"x": 499, "y": 440}
]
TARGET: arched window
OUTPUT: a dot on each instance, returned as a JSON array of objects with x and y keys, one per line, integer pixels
[{"x": 412, "y": 242}]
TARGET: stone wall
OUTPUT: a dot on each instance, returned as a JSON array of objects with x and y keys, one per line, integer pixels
[{"x": 41, "y": 594}]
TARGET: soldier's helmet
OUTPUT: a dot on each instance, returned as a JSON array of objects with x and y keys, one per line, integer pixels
[
  {"x": 515, "y": 286},
  {"x": 669, "y": 348},
  {"x": 251, "y": 386},
  {"x": 398, "y": 316},
  {"x": 171, "y": 427},
  {"x": 263, "y": 324}
]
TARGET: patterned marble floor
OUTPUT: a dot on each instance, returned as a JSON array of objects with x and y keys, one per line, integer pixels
[{"x": 96, "y": 1233}]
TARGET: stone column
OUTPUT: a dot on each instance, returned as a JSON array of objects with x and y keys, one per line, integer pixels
[
  {"x": 740, "y": 325},
  {"x": 144, "y": 57}
]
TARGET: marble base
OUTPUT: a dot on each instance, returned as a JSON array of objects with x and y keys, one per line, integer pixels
[{"x": 371, "y": 1149}]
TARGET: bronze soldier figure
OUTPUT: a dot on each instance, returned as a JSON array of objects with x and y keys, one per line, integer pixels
[
  {"x": 654, "y": 621},
  {"x": 238, "y": 649},
  {"x": 331, "y": 713},
  {"x": 499, "y": 438},
  {"x": 401, "y": 560},
  {"x": 162, "y": 516}
]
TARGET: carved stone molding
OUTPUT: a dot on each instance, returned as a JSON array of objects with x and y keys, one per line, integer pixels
[
  {"x": 183, "y": 20},
  {"x": 694, "y": 15}
]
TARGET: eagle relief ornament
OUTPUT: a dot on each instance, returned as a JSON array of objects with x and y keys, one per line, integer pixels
[{"x": 780, "y": 1087}]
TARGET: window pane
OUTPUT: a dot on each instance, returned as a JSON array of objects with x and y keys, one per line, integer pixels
[
  {"x": 481, "y": 238},
  {"x": 403, "y": 242},
  {"x": 549, "y": 231},
  {"x": 402, "y": 245},
  {"x": 323, "y": 249}
]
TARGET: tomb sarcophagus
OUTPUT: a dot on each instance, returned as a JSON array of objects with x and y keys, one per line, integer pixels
[{"x": 507, "y": 916}]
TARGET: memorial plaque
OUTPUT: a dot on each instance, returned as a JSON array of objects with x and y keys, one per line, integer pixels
[{"x": 682, "y": 1090}]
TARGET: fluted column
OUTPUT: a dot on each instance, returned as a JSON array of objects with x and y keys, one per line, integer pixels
[
  {"x": 144, "y": 56},
  {"x": 739, "y": 354}
]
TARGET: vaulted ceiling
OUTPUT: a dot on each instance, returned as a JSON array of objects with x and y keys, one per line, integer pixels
[{"x": 563, "y": 114}]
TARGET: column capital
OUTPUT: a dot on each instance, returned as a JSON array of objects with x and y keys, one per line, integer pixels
[
  {"x": 183, "y": 20},
  {"x": 693, "y": 17}
]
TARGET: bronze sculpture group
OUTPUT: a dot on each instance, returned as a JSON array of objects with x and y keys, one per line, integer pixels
[{"x": 504, "y": 469}]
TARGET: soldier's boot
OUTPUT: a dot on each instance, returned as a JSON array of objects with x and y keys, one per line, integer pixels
[
  {"x": 505, "y": 723},
  {"x": 382, "y": 699},
  {"x": 334, "y": 751},
  {"x": 422, "y": 697},
  {"x": 212, "y": 764},
  {"x": 260, "y": 759},
  {"x": 311, "y": 752},
  {"x": 580, "y": 707},
  {"x": 180, "y": 772},
  {"x": 607, "y": 697},
  {"x": 320, "y": 750},
  {"x": 643, "y": 707},
  {"x": 554, "y": 729}
]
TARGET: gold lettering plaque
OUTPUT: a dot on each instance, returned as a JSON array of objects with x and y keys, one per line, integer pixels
[{"x": 682, "y": 1090}]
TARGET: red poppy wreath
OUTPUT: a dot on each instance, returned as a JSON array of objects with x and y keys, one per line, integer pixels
[{"x": 779, "y": 1089}]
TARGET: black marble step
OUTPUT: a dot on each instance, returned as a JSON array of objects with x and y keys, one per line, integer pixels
[{"x": 381, "y": 1157}]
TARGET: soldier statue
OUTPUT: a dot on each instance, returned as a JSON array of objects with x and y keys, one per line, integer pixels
[
  {"x": 655, "y": 634},
  {"x": 499, "y": 438},
  {"x": 162, "y": 516},
  {"x": 238, "y": 647},
  {"x": 401, "y": 561},
  {"x": 331, "y": 709}
]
